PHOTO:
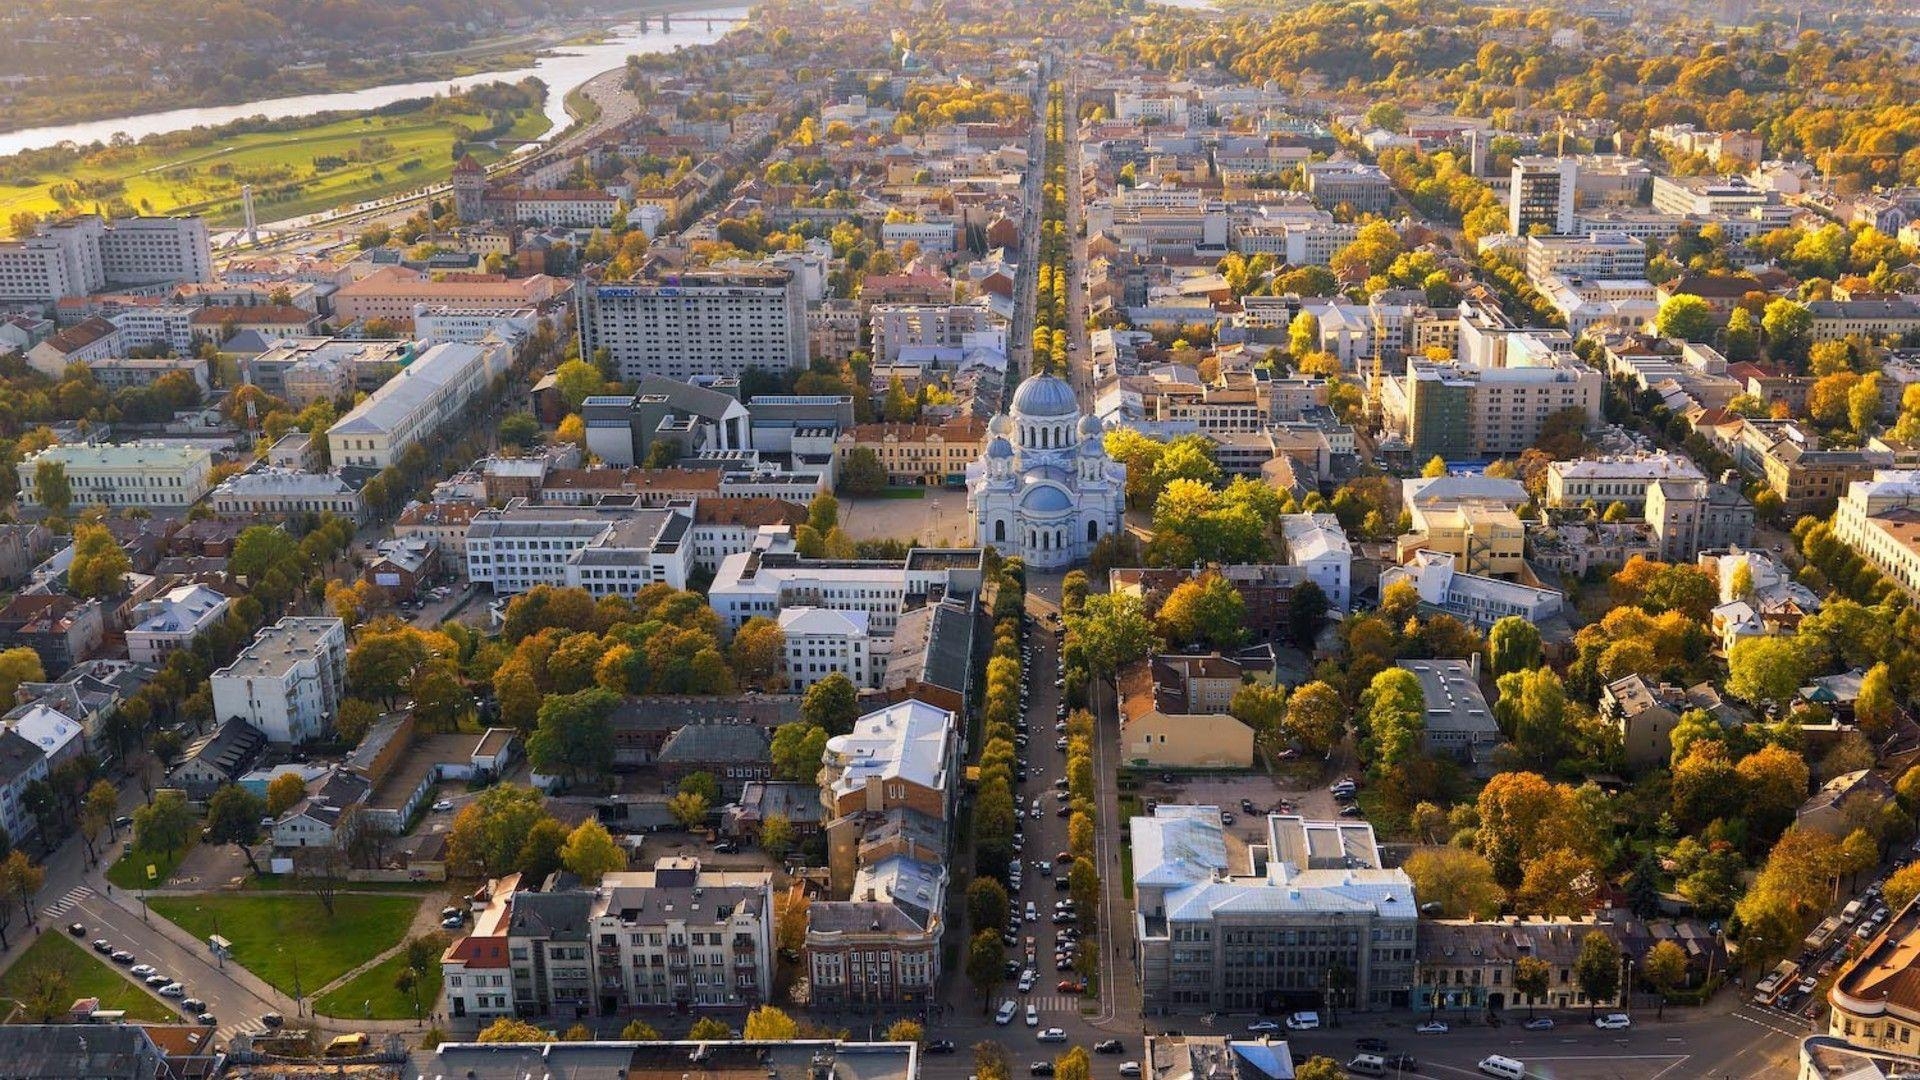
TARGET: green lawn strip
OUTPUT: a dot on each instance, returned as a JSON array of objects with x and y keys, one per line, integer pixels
[
  {"x": 374, "y": 988},
  {"x": 130, "y": 871},
  {"x": 273, "y": 934},
  {"x": 87, "y": 976},
  {"x": 1126, "y": 871},
  {"x": 904, "y": 493},
  {"x": 290, "y": 883}
]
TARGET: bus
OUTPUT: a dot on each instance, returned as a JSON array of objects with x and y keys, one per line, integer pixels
[{"x": 1776, "y": 982}]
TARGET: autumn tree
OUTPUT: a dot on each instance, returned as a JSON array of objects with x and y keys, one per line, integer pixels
[
  {"x": 1664, "y": 967},
  {"x": 1597, "y": 969},
  {"x": 1460, "y": 881},
  {"x": 771, "y": 1024},
  {"x": 758, "y": 654},
  {"x": 591, "y": 853},
  {"x": 832, "y": 704}
]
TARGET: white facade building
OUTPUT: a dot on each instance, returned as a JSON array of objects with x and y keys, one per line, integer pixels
[
  {"x": 84, "y": 255},
  {"x": 772, "y": 576},
  {"x": 433, "y": 324},
  {"x": 272, "y": 492},
  {"x": 698, "y": 324},
  {"x": 172, "y": 620},
  {"x": 289, "y": 681},
  {"x": 158, "y": 476},
  {"x": 1317, "y": 543},
  {"x": 823, "y": 642},
  {"x": 1045, "y": 489},
  {"x": 609, "y": 549},
  {"x": 416, "y": 403}
]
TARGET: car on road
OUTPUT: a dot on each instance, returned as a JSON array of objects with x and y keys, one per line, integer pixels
[
  {"x": 123, "y": 822},
  {"x": 1264, "y": 1025},
  {"x": 1052, "y": 1035},
  {"x": 122, "y": 957},
  {"x": 1370, "y": 1045},
  {"x": 1405, "y": 1063},
  {"x": 1303, "y": 1021},
  {"x": 1033, "y": 1015},
  {"x": 103, "y": 946},
  {"x": 1226, "y": 817},
  {"x": 272, "y": 1019},
  {"x": 1040, "y": 1068},
  {"x": 193, "y": 1005},
  {"x": 143, "y": 970},
  {"x": 443, "y": 804},
  {"x": 206, "y": 1019},
  {"x": 159, "y": 979},
  {"x": 726, "y": 847},
  {"x": 1071, "y": 986},
  {"x": 1129, "y": 1068},
  {"x": 1246, "y": 806},
  {"x": 1006, "y": 1013},
  {"x": 940, "y": 1046},
  {"x": 1108, "y": 1046},
  {"x": 1433, "y": 1027},
  {"x": 1539, "y": 1023},
  {"x": 1026, "y": 980},
  {"x": 77, "y": 929},
  {"x": 173, "y": 989},
  {"x": 1613, "y": 1022},
  {"x": 1033, "y": 913}
]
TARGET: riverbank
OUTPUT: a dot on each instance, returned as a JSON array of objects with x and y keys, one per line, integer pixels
[
  {"x": 299, "y": 169},
  {"x": 67, "y": 104}
]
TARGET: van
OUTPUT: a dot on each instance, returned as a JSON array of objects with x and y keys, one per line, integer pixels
[
  {"x": 349, "y": 1045},
  {"x": 1368, "y": 1065},
  {"x": 1851, "y": 911},
  {"x": 1006, "y": 1013},
  {"x": 1504, "y": 1067}
]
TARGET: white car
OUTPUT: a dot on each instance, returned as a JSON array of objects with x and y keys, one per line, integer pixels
[
  {"x": 1053, "y": 1035},
  {"x": 443, "y": 804},
  {"x": 1303, "y": 1021},
  {"x": 141, "y": 970},
  {"x": 1433, "y": 1027},
  {"x": 1129, "y": 1068},
  {"x": 1613, "y": 1021},
  {"x": 173, "y": 990},
  {"x": 1033, "y": 1015},
  {"x": 1026, "y": 980},
  {"x": 1264, "y": 1025},
  {"x": 1033, "y": 914},
  {"x": 1007, "y": 1012}
]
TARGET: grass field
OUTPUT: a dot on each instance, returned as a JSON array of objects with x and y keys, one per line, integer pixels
[
  {"x": 373, "y": 989},
  {"x": 275, "y": 934},
  {"x": 86, "y": 976},
  {"x": 130, "y": 871},
  {"x": 377, "y": 155}
]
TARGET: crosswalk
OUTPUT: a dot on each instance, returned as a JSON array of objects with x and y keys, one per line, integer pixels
[
  {"x": 1050, "y": 1004},
  {"x": 223, "y": 1035},
  {"x": 65, "y": 903}
]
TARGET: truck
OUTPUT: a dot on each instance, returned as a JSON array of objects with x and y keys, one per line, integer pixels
[{"x": 1776, "y": 982}]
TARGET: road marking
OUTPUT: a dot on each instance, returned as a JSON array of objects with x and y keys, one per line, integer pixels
[
  {"x": 67, "y": 900},
  {"x": 1795, "y": 1035}
]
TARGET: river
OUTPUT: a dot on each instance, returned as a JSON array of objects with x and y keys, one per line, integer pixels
[{"x": 568, "y": 68}]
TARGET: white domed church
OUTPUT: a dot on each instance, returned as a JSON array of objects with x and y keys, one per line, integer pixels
[{"x": 1045, "y": 489}]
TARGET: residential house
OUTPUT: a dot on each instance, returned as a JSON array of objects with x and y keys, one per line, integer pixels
[{"x": 1173, "y": 714}]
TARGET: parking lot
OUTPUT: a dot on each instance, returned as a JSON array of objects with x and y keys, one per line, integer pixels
[{"x": 1300, "y": 786}]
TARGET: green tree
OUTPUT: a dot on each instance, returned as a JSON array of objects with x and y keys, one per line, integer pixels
[
  {"x": 639, "y": 1031},
  {"x": 776, "y": 835},
  {"x": 832, "y": 704},
  {"x": 574, "y": 735},
  {"x": 1533, "y": 977},
  {"x": 1113, "y": 631},
  {"x": 19, "y": 664},
  {"x": 1513, "y": 645},
  {"x": 233, "y": 817},
  {"x": 577, "y": 380},
  {"x": 1460, "y": 881},
  {"x": 908, "y": 1031},
  {"x": 986, "y": 902},
  {"x": 758, "y": 654},
  {"x": 1686, "y": 317},
  {"x": 1316, "y": 717},
  {"x": 1206, "y": 609},
  {"x": 509, "y": 1030},
  {"x": 769, "y": 1023},
  {"x": 50, "y": 486},
  {"x": 488, "y": 832},
  {"x": 1789, "y": 330},
  {"x": 165, "y": 824},
  {"x": 1766, "y": 670},
  {"x": 1435, "y": 467},
  {"x": 1665, "y": 967},
  {"x": 590, "y": 852},
  {"x": 1396, "y": 718},
  {"x": 1073, "y": 1065},
  {"x": 518, "y": 430},
  {"x": 986, "y": 961},
  {"x": 1597, "y": 969},
  {"x": 861, "y": 472},
  {"x": 1319, "y": 1067},
  {"x": 689, "y": 808},
  {"x": 797, "y": 750}
]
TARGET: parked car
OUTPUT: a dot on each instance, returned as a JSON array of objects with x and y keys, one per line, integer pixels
[
  {"x": 443, "y": 804},
  {"x": 1006, "y": 1013},
  {"x": 122, "y": 958},
  {"x": 1129, "y": 1068},
  {"x": 1040, "y": 1068},
  {"x": 1107, "y": 1046},
  {"x": 173, "y": 989},
  {"x": 940, "y": 1046},
  {"x": 1539, "y": 1023},
  {"x": 194, "y": 1005},
  {"x": 77, "y": 929},
  {"x": 272, "y": 1019},
  {"x": 102, "y": 946},
  {"x": 1264, "y": 1025},
  {"x": 159, "y": 979},
  {"x": 206, "y": 1019},
  {"x": 1613, "y": 1022},
  {"x": 1433, "y": 1027},
  {"x": 1052, "y": 1035}
]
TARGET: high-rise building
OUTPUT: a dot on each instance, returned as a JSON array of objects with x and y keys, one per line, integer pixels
[
  {"x": 701, "y": 323},
  {"x": 1542, "y": 195},
  {"x": 86, "y": 254}
]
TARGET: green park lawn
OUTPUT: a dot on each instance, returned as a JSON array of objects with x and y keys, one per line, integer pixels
[
  {"x": 276, "y": 934},
  {"x": 373, "y": 989},
  {"x": 130, "y": 870},
  {"x": 86, "y": 976},
  {"x": 394, "y": 153}
]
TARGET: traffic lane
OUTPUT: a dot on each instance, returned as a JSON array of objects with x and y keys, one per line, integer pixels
[
  {"x": 1705, "y": 1046},
  {"x": 226, "y": 999}
]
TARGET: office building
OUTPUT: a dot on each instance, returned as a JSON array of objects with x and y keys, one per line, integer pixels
[
  {"x": 623, "y": 428},
  {"x": 698, "y": 323},
  {"x": 1880, "y": 520},
  {"x": 1611, "y": 256},
  {"x": 288, "y": 683},
  {"x": 172, "y": 620},
  {"x": 1173, "y": 714},
  {"x": 1475, "y": 599},
  {"x": 1259, "y": 932},
  {"x": 773, "y": 576},
  {"x": 1358, "y": 185},
  {"x": 394, "y": 292},
  {"x": 822, "y": 642},
  {"x": 1707, "y": 195},
  {"x": 1458, "y": 722},
  {"x": 149, "y": 475},
  {"x": 1608, "y": 480},
  {"x": 614, "y": 547},
  {"x": 269, "y": 492},
  {"x": 1462, "y": 413},
  {"x": 1542, "y": 194}
]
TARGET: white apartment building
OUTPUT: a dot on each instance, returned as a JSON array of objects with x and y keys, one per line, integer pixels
[
  {"x": 1317, "y": 543},
  {"x": 773, "y": 577},
  {"x": 1608, "y": 255},
  {"x": 1471, "y": 598},
  {"x": 698, "y": 324},
  {"x": 1606, "y": 480},
  {"x": 172, "y": 620},
  {"x": 272, "y": 492},
  {"x": 823, "y": 642},
  {"x": 152, "y": 475},
  {"x": 683, "y": 934},
  {"x": 85, "y": 254},
  {"x": 415, "y": 404},
  {"x": 612, "y": 548},
  {"x": 1880, "y": 519},
  {"x": 170, "y": 325},
  {"x": 933, "y": 237},
  {"x": 119, "y": 372},
  {"x": 289, "y": 681},
  {"x": 1706, "y": 195},
  {"x": 1294, "y": 242},
  {"x": 1459, "y": 412},
  {"x": 1542, "y": 194}
]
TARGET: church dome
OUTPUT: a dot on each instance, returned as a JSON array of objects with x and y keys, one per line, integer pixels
[
  {"x": 1089, "y": 427},
  {"x": 1045, "y": 499},
  {"x": 999, "y": 447},
  {"x": 1000, "y": 424},
  {"x": 1045, "y": 395}
]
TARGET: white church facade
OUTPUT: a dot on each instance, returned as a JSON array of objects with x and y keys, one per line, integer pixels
[{"x": 1045, "y": 490}]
